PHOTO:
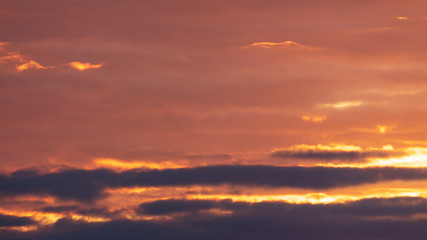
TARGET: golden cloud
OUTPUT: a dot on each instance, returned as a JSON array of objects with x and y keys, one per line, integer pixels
[
  {"x": 313, "y": 119},
  {"x": 31, "y": 65},
  {"x": 342, "y": 105},
  {"x": 402, "y": 18},
  {"x": 284, "y": 44},
  {"x": 84, "y": 66}
]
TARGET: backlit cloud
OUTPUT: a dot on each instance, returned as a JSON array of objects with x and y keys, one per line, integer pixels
[
  {"x": 342, "y": 105},
  {"x": 313, "y": 119},
  {"x": 84, "y": 66},
  {"x": 12, "y": 57},
  {"x": 290, "y": 44},
  {"x": 213, "y": 120},
  {"x": 334, "y": 152},
  {"x": 31, "y": 65}
]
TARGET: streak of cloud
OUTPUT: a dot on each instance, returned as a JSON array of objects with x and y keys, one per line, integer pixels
[
  {"x": 88, "y": 185},
  {"x": 337, "y": 152},
  {"x": 284, "y": 44},
  {"x": 31, "y": 65},
  {"x": 84, "y": 66}
]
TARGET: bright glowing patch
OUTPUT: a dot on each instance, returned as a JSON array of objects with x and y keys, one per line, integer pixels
[
  {"x": 31, "y": 65},
  {"x": 84, "y": 66},
  {"x": 343, "y": 105},
  {"x": 333, "y": 147},
  {"x": 417, "y": 157},
  {"x": 382, "y": 129},
  {"x": 402, "y": 18},
  {"x": 121, "y": 165},
  {"x": 273, "y": 44}
]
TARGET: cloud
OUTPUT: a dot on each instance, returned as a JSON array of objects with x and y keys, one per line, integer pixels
[
  {"x": 84, "y": 66},
  {"x": 291, "y": 44},
  {"x": 13, "y": 221},
  {"x": 59, "y": 209},
  {"x": 2, "y": 44},
  {"x": 313, "y": 119},
  {"x": 175, "y": 206},
  {"x": 342, "y": 105},
  {"x": 88, "y": 185},
  {"x": 12, "y": 57},
  {"x": 31, "y": 65},
  {"x": 339, "y": 152},
  {"x": 22, "y": 62},
  {"x": 369, "y": 219},
  {"x": 368, "y": 207}
]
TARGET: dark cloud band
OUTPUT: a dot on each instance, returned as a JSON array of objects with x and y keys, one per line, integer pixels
[{"x": 87, "y": 185}]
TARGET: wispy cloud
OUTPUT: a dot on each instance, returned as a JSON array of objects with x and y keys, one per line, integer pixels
[
  {"x": 85, "y": 66},
  {"x": 402, "y": 18},
  {"x": 284, "y": 44},
  {"x": 11, "y": 57},
  {"x": 313, "y": 119},
  {"x": 342, "y": 105},
  {"x": 31, "y": 65},
  {"x": 22, "y": 62},
  {"x": 334, "y": 152},
  {"x": 2, "y": 44}
]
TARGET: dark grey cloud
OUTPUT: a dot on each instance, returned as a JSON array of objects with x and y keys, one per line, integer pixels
[
  {"x": 59, "y": 209},
  {"x": 180, "y": 205},
  {"x": 368, "y": 219},
  {"x": 370, "y": 207},
  {"x": 13, "y": 221},
  {"x": 88, "y": 185},
  {"x": 335, "y": 155}
]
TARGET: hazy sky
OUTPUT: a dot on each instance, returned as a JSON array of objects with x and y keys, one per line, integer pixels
[{"x": 185, "y": 119}]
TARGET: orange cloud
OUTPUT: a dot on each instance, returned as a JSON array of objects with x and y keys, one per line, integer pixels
[
  {"x": 313, "y": 119},
  {"x": 31, "y": 65},
  {"x": 122, "y": 165},
  {"x": 402, "y": 18},
  {"x": 11, "y": 56},
  {"x": 84, "y": 66},
  {"x": 3, "y": 44},
  {"x": 290, "y": 44},
  {"x": 342, "y": 105}
]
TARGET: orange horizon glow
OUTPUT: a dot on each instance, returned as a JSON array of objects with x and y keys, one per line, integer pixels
[{"x": 210, "y": 117}]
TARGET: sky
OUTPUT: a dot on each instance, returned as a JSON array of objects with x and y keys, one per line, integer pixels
[{"x": 189, "y": 119}]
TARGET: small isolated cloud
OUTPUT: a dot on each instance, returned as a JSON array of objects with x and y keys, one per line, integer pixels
[
  {"x": 31, "y": 65},
  {"x": 385, "y": 128},
  {"x": 84, "y": 66},
  {"x": 313, "y": 119},
  {"x": 402, "y": 18},
  {"x": 342, "y": 105},
  {"x": 287, "y": 44}
]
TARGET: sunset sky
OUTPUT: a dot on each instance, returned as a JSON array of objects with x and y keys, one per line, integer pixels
[{"x": 192, "y": 119}]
